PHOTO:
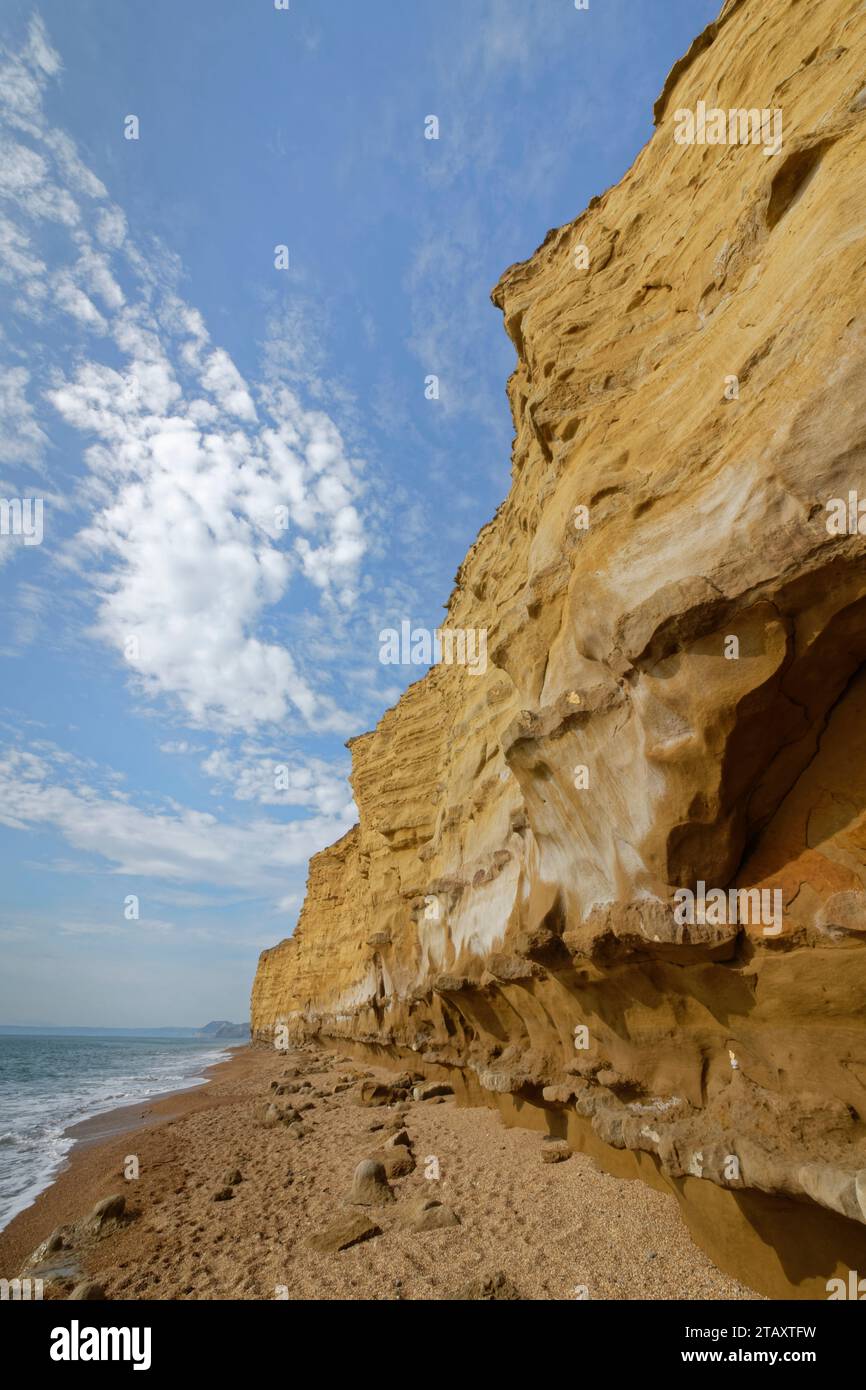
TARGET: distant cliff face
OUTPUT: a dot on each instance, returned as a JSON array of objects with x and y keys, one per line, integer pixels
[{"x": 674, "y": 597}]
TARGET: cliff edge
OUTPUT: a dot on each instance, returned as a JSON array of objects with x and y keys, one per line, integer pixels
[{"x": 615, "y": 883}]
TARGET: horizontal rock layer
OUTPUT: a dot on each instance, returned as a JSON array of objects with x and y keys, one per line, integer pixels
[{"x": 507, "y": 907}]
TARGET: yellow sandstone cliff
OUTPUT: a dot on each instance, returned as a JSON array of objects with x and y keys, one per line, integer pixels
[{"x": 506, "y": 909}]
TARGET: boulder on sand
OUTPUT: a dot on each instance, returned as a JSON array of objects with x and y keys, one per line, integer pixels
[
  {"x": 89, "y": 1290},
  {"x": 489, "y": 1288},
  {"x": 399, "y": 1140},
  {"x": 398, "y": 1163},
  {"x": 370, "y": 1185},
  {"x": 270, "y": 1114},
  {"x": 347, "y": 1230},
  {"x": 429, "y": 1214},
  {"x": 554, "y": 1150},
  {"x": 105, "y": 1213},
  {"x": 380, "y": 1093}
]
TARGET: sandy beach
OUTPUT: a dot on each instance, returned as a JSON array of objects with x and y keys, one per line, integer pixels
[{"x": 225, "y": 1204}]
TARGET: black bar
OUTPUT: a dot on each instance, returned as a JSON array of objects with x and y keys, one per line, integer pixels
[{"x": 276, "y": 1337}]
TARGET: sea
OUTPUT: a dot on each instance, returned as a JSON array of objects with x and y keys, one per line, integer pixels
[{"x": 49, "y": 1082}]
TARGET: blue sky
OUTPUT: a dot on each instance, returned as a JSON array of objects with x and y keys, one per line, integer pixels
[{"x": 165, "y": 389}]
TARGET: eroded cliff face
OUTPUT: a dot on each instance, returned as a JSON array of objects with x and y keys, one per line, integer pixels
[{"x": 507, "y": 908}]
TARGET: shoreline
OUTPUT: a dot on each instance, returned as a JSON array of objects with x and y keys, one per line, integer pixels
[
  {"x": 121, "y": 1119},
  {"x": 51, "y": 1206},
  {"x": 228, "y": 1205}
]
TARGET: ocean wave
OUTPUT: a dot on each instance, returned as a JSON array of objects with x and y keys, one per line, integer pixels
[{"x": 49, "y": 1085}]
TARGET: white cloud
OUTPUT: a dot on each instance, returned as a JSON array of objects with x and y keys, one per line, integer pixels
[
  {"x": 93, "y": 269},
  {"x": 75, "y": 302},
  {"x": 21, "y": 169},
  {"x": 273, "y": 779},
  {"x": 39, "y": 51},
  {"x": 23, "y": 178},
  {"x": 211, "y": 497},
  {"x": 26, "y": 614},
  {"x": 22, "y": 77},
  {"x": 17, "y": 260},
  {"x": 154, "y": 925},
  {"x": 179, "y": 747},
  {"x": 176, "y": 844},
  {"x": 82, "y": 179},
  {"x": 22, "y": 440},
  {"x": 222, "y": 378},
  {"x": 111, "y": 227}
]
